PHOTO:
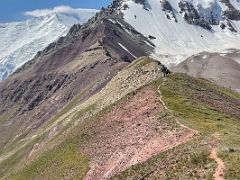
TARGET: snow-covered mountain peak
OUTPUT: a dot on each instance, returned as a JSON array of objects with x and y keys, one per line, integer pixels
[
  {"x": 180, "y": 28},
  {"x": 20, "y": 41}
]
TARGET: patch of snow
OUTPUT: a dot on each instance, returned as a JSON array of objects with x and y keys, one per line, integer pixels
[
  {"x": 205, "y": 56},
  {"x": 223, "y": 55},
  {"x": 122, "y": 46},
  {"x": 148, "y": 43},
  {"x": 112, "y": 21}
]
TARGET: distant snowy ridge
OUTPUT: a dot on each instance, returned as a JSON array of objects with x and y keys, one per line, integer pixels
[{"x": 20, "y": 41}]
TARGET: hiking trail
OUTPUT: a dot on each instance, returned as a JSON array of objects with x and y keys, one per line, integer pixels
[
  {"x": 220, "y": 170},
  {"x": 166, "y": 108}
]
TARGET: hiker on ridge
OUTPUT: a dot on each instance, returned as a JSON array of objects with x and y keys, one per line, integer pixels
[{"x": 165, "y": 71}]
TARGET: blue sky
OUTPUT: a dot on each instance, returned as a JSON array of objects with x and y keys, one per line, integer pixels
[{"x": 12, "y": 10}]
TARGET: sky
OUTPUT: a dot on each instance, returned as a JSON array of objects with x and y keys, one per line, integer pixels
[{"x": 13, "y": 10}]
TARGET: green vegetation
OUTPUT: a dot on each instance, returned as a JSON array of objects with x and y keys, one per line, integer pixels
[
  {"x": 187, "y": 161},
  {"x": 232, "y": 161},
  {"x": 201, "y": 106},
  {"x": 62, "y": 162},
  {"x": 15, "y": 157},
  {"x": 210, "y": 109}
]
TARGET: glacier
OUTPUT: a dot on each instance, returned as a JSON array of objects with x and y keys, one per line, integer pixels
[{"x": 20, "y": 41}]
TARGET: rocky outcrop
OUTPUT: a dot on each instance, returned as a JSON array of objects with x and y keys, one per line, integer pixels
[
  {"x": 230, "y": 26},
  {"x": 74, "y": 30},
  {"x": 191, "y": 15},
  {"x": 143, "y": 3},
  {"x": 31, "y": 92},
  {"x": 167, "y": 8},
  {"x": 231, "y": 13},
  {"x": 166, "y": 5},
  {"x": 140, "y": 2}
]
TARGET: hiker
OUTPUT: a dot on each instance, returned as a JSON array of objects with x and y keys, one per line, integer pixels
[{"x": 165, "y": 71}]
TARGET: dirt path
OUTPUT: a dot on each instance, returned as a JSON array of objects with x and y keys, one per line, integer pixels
[
  {"x": 166, "y": 108},
  {"x": 220, "y": 170}
]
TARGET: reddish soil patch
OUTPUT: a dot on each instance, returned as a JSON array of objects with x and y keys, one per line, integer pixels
[{"x": 131, "y": 133}]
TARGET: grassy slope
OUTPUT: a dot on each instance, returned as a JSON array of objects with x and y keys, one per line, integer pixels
[
  {"x": 62, "y": 162},
  {"x": 61, "y": 158},
  {"x": 187, "y": 161},
  {"x": 74, "y": 135},
  {"x": 24, "y": 147},
  {"x": 184, "y": 96}
]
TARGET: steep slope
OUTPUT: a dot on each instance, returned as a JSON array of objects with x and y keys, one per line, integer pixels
[
  {"x": 125, "y": 129},
  {"x": 181, "y": 28},
  {"x": 79, "y": 64},
  {"x": 79, "y": 111},
  {"x": 212, "y": 111},
  {"x": 104, "y": 131},
  {"x": 20, "y": 41},
  {"x": 221, "y": 68}
]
